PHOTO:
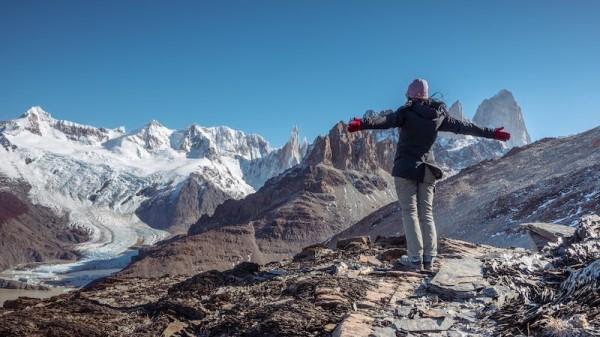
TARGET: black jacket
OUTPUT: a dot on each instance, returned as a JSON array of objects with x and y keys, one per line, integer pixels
[{"x": 419, "y": 123}]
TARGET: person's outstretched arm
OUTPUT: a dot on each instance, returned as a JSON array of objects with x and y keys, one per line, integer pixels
[
  {"x": 454, "y": 125},
  {"x": 384, "y": 121}
]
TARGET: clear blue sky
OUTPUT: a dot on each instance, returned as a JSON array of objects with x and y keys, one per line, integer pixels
[{"x": 263, "y": 66}]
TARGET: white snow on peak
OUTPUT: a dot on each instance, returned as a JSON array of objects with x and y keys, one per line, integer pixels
[
  {"x": 503, "y": 110},
  {"x": 151, "y": 139},
  {"x": 38, "y": 112},
  {"x": 98, "y": 175},
  {"x": 37, "y": 122},
  {"x": 256, "y": 172},
  {"x": 198, "y": 141}
]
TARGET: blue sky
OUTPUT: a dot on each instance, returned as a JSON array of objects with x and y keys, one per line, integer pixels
[{"x": 264, "y": 66}]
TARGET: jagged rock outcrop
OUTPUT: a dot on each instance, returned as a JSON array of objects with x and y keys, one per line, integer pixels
[
  {"x": 456, "y": 111},
  {"x": 553, "y": 180},
  {"x": 306, "y": 204},
  {"x": 558, "y": 289},
  {"x": 32, "y": 233},
  {"x": 258, "y": 171},
  {"x": 503, "y": 110},
  {"x": 347, "y": 151},
  {"x": 199, "y": 142}
]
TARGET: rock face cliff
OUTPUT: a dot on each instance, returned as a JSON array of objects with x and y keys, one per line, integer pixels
[
  {"x": 257, "y": 172},
  {"x": 341, "y": 179},
  {"x": 503, "y": 110}
]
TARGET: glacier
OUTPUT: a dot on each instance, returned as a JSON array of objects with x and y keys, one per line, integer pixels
[{"x": 99, "y": 176}]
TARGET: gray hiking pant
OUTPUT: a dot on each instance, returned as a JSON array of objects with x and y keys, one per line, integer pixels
[{"x": 416, "y": 202}]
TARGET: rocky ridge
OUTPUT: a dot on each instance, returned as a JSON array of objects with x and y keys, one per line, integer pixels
[
  {"x": 306, "y": 204},
  {"x": 352, "y": 290}
]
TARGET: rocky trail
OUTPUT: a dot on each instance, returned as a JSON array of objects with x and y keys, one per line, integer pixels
[{"x": 352, "y": 290}]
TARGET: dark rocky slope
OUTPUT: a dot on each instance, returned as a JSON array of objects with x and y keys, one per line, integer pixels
[
  {"x": 342, "y": 178},
  {"x": 175, "y": 210},
  {"x": 552, "y": 180},
  {"x": 348, "y": 292},
  {"x": 176, "y": 207},
  {"x": 32, "y": 233}
]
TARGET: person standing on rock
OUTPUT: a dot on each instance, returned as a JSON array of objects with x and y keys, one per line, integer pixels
[{"x": 414, "y": 171}]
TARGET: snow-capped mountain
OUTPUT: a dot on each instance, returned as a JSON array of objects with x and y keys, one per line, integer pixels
[
  {"x": 456, "y": 152},
  {"x": 456, "y": 111},
  {"x": 502, "y": 110},
  {"x": 200, "y": 142},
  {"x": 38, "y": 122},
  {"x": 126, "y": 189},
  {"x": 146, "y": 142},
  {"x": 258, "y": 171},
  {"x": 105, "y": 179}
]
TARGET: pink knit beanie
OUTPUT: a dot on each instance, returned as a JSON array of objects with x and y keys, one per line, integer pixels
[{"x": 418, "y": 89}]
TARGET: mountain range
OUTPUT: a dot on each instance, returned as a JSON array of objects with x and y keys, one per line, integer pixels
[
  {"x": 228, "y": 193},
  {"x": 135, "y": 188}
]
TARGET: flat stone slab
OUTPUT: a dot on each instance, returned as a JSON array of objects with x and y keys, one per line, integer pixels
[
  {"x": 549, "y": 231},
  {"x": 458, "y": 278},
  {"x": 354, "y": 325},
  {"x": 541, "y": 233},
  {"x": 424, "y": 324}
]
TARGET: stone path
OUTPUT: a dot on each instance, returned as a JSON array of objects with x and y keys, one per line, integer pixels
[{"x": 412, "y": 304}]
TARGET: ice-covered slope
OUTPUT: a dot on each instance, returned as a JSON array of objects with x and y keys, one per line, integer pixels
[{"x": 100, "y": 177}]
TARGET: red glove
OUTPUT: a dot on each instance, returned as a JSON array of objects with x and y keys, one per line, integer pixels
[
  {"x": 355, "y": 125},
  {"x": 501, "y": 135}
]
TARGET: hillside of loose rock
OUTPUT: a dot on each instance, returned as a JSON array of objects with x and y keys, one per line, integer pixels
[
  {"x": 552, "y": 180},
  {"x": 352, "y": 291},
  {"x": 341, "y": 179}
]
